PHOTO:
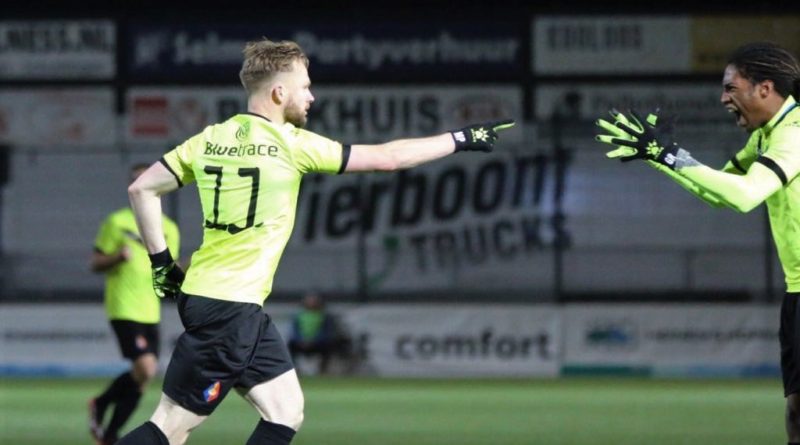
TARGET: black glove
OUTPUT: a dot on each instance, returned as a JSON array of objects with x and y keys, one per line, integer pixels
[
  {"x": 649, "y": 139},
  {"x": 479, "y": 137},
  {"x": 167, "y": 275}
]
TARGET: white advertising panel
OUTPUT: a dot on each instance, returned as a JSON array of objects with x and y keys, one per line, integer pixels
[
  {"x": 57, "y": 340},
  {"x": 419, "y": 341},
  {"x": 58, "y": 117},
  {"x": 57, "y": 49},
  {"x": 611, "y": 45},
  {"x": 674, "y": 339},
  {"x": 426, "y": 340},
  {"x": 77, "y": 339},
  {"x": 458, "y": 341}
]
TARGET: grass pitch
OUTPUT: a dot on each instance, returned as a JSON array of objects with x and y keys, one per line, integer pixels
[{"x": 437, "y": 412}]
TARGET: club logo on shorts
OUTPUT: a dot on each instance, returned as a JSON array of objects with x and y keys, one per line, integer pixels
[
  {"x": 212, "y": 392},
  {"x": 141, "y": 342}
]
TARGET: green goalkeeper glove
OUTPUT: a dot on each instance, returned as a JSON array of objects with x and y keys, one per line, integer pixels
[
  {"x": 637, "y": 138},
  {"x": 624, "y": 154},
  {"x": 479, "y": 137},
  {"x": 167, "y": 275}
]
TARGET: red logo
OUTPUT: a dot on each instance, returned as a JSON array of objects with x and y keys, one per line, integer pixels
[{"x": 149, "y": 116}]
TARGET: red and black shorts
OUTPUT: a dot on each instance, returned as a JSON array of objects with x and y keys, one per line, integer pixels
[
  {"x": 136, "y": 338},
  {"x": 225, "y": 345}
]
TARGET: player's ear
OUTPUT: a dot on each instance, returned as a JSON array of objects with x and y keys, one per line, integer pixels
[
  {"x": 278, "y": 93},
  {"x": 765, "y": 88}
]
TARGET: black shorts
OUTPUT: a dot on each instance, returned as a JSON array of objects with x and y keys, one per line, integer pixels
[
  {"x": 225, "y": 345},
  {"x": 789, "y": 335},
  {"x": 136, "y": 338}
]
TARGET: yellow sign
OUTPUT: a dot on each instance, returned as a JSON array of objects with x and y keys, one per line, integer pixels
[{"x": 714, "y": 38}]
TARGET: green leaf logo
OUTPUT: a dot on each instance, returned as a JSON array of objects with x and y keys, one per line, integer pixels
[{"x": 243, "y": 132}]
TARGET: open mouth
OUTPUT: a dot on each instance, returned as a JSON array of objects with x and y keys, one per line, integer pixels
[{"x": 736, "y": 114}]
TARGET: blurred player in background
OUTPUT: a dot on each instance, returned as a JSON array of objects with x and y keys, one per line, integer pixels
[
  {"x": 760, "y": 86},
  {"x": 133, "y": 310},
  {"x": 317, "y": 333},
  {"x": 248, "y": 171}
]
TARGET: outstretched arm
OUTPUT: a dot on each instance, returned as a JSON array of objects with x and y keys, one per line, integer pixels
[
  {"x": 701, "y": 193},
  {"x": 405, "y": 153},
  {"x": 651, "y": 139},
  {"x": 399, "y": 154},
  {"x": 739, "y": 192}
]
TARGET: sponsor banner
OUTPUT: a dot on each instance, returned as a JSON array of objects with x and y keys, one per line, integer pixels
[
  {"x": 57, "y": 117},
  {"x": 57, "y": 339},
  {"x": 468, "y": 222},
  {"x": 695, "y": 103},
  {"x": 348, "y": 52},
  {"x": 57, "y": 49},
  {"x": 449, "y": 341},
  {"x": 651, "y": 44},
  {"x": 611, "y": 45},
  {"x": 77, "y": 339},
  {"x": 449, "y": 193},
  {"x": 348, "y": 114},
  {"x": 714, "y": 38},
  {"x": 420, "y": 341},
  {"x": 673, "y": 339}
]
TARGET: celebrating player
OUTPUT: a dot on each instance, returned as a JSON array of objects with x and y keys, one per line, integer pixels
[
  {"x": 248, "y": 171},
  {"x": 760, "y": 86}
]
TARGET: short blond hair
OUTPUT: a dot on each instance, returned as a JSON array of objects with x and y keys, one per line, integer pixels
[{"x": 265, "y": 58}]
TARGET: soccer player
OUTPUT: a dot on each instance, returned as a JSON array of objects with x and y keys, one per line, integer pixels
[
  {"x": 760, "y": 86},
  {"x": 248, "y": 171},
  {"x": 317, "y": 332},
  {"x": 133, "y": 310}
]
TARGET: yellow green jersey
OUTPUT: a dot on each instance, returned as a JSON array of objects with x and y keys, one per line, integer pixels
[
  {"x": 776, "y": 145},
  {"x": 775, "y": 148},
  {"x": 129, "y": 285},
  {"x": 248, "y": 172}
]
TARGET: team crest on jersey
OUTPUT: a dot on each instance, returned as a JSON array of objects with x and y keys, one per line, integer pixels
[
  {"x": 212, "y": 392},
  {"x": 243, "y": 132}
]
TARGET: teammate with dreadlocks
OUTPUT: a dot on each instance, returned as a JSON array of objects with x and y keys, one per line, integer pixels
[{"x": 760, "y": 87}]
